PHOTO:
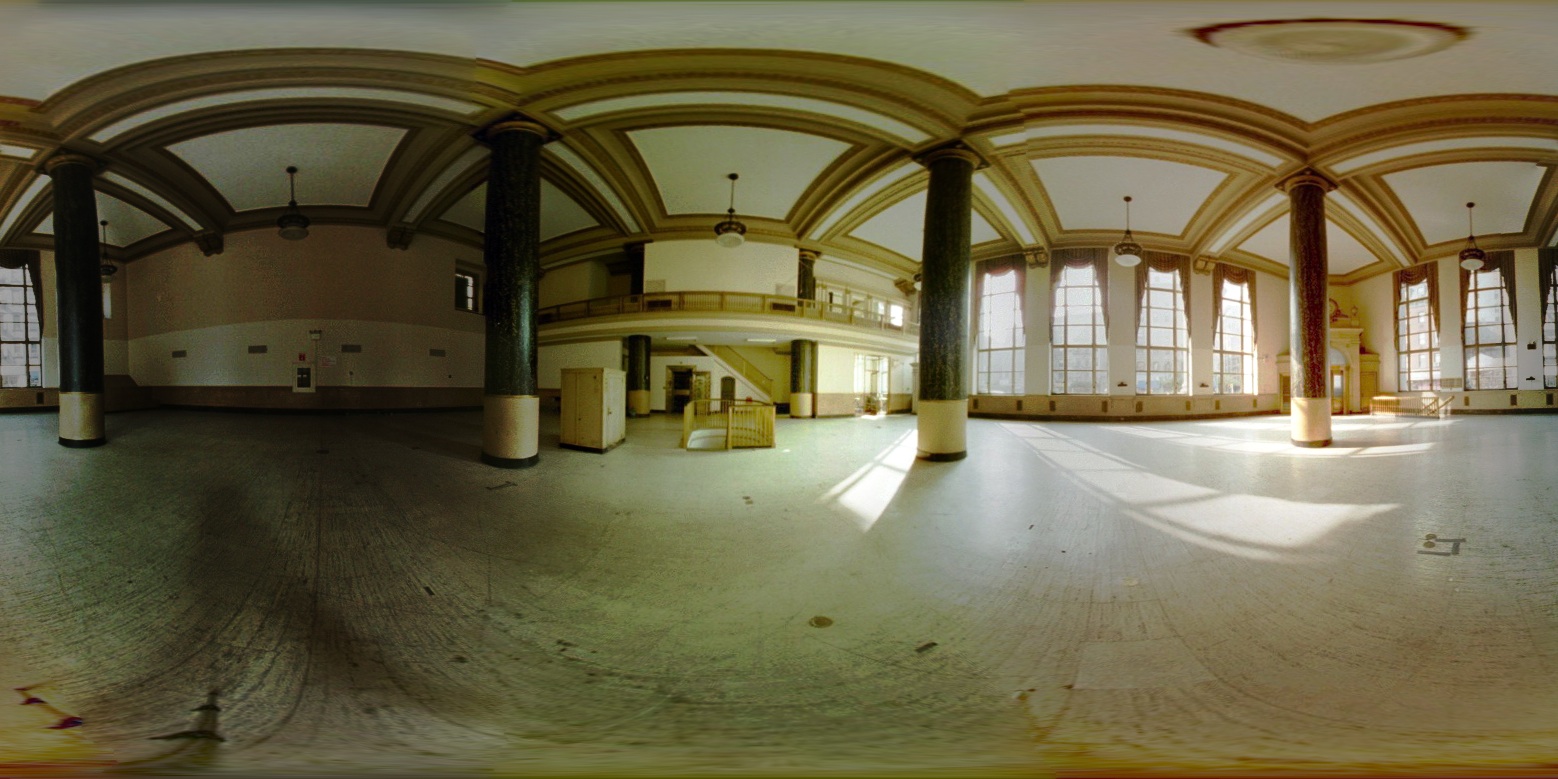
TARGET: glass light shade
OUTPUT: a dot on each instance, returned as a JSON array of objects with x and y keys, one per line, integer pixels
[
  {"x": 1127, "y": 253},
  {"x": 292, "y": 225},
  {"x": 730, "y": 233},
  {"x": 1471, "y": 258}
]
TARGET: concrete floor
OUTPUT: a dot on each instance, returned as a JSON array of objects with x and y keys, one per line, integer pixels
[{"x": 363, "y": 597}]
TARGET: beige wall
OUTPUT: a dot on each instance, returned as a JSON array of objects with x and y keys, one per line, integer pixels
[
  {"x": 551, "y": 360},
  {"x": 705, "y": 265},
  {"x": 579, "y": 281},
  {"x": 398, "y": 306}
]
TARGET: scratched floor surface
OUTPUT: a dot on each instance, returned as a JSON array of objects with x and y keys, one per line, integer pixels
[{"x": 258, "y": 594}]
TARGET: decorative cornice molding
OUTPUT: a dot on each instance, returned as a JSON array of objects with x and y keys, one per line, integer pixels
[{"x": 399, "y": 236}]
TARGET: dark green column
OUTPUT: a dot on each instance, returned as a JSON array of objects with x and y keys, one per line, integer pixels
[
  {"x": 803, "y": 379},
  {"x": 638, "y": 375},
  {"x": 511, "y": 407},
  {"x": 1310, "y": 322},
  {"x": 79, "y": 296},
  {"x": 945, "y": 279},
  {"x": 806, "y": 275}
]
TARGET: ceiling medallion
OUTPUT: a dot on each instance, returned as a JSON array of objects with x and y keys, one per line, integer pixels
[{"x": 1332, "y": 41}]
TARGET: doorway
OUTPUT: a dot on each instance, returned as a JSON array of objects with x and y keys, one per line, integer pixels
[{"x": 683, "y": 385}]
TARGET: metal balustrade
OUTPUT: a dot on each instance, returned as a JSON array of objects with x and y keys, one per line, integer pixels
[{"x": 726, "y": 302}]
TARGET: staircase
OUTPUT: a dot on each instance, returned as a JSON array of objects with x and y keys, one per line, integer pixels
[{"x": 758, "y": 383}]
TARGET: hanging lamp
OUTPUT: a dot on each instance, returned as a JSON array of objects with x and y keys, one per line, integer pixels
[
  {"x": 731, "y": 232},
  {"x": 292, "y": 225},
  {"x": 107, "y": 269},
  {"x": 1471, "y": 256},
  {"x": 1128, "y": 252}
]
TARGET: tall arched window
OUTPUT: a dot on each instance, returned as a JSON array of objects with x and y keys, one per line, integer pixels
[
  {"x": 1547, "y": 267},
  {"x": 21, "y": 343},
  {"x": 1488, "y": 309},
  {"x": 1079, "y": 341},
  {"x": 1417, "y": 328},
  {"x": 1162, "y": 332},
  {"x": 1233, "y": 339},
  {"x": 999, "y": 350}
]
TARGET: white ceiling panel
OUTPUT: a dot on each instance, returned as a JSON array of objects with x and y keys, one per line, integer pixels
[
  {"x": 1138, "y": 131},
  {"x": 126, "y": 223},
  {"x": 338, "y": 164},
  {"x": 1013, "y": 219},
  {"x": 560, "y": 215},
  {"x": 1445, "y": 144},
  {"x": 1246, "y": 220},
  {"x": 1436, "y": 196},
  {"x": 436, "y": 187},
  {"x": 690, "y": 164},
  {"x": 22, "y": 152},
  {"x": 108, "y": 133},
  {"x": 190, "y": 222},
  {"x": 1088, "y": 192},
  {"x": 862, "y": 194},
  {"x": 901, "y": 228},
  {"x": 567, "y": 156},
  {"x": 1343, "y": 253},
  {"x": 902, "y": 130}
]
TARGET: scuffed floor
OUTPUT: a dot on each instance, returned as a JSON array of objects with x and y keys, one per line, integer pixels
[{"x": 260, "y": 594}]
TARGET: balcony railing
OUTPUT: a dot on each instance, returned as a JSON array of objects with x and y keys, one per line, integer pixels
[{"x": 727, "y": 302}]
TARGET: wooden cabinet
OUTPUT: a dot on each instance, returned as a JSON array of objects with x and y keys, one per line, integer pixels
[{"x": 594, "y": 407}]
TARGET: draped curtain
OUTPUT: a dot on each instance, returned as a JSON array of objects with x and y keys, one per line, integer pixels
[
  {"x": 999, "y": 268},
  {"x": 1503, "y": 262},
  {"x": 1223, "y": 272},
  {"x": 1163, "y": 262},
  {"x": 12, "y": 259},
  {"x": 1428, "y": 271},
  {"x": 1097, "y": 259},
  {"x": 1545, "y": 260}
]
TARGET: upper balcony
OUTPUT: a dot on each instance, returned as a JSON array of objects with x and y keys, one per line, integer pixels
[{"x": 733, "y": 315}]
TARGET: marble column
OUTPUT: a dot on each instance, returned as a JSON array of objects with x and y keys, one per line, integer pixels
[
  {"x": 511, "y": 408},
  {"x": 79, "y": 297},
  {"x": 638, "y": 375},
  {"x": 803, "y": 379},
  {"x": 944, "y": 317},
  {"x": 1309, "y": 319},
  {"x": 806, "y": 275}
]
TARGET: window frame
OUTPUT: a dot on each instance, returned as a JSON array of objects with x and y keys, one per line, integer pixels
[
  {"x": 1489, "y": 278},
  {"x": 1246, "y": 335},
  {"x": 1146, "y": 346},
  {"x": 31, "y": 341},
  {"x": 986, "y": 306},
  {"x": 1097, "y": 324},
  {"x": 463, "y": 271},
  {"x": 1405, "y": 330}
]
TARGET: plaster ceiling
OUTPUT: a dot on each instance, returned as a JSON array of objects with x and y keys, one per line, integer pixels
[
  {"x": 126, "y": 223},
  {"x": 1088, "y": 192},
  {"x": 338, "y": 164},
  {"x": 1344, "y": 254},
  {"x": 690, "y": 166},
  {"x": 821, "y": 107},
  {"x": 1436, "y": 196}
]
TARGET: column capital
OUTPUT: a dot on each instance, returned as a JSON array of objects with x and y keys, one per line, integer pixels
[
  {"x": 399, "y": 236},
  {"x": 68, "y": 158},
  {"x": 210, "y": 242},
  {"x": 955, "y": 150},
  {"x": 516, "y": 123},
  {"x": 1035, "y": 256},
  {"x": 809, "y": 255},
  {"x": 1307, "y": 176}
]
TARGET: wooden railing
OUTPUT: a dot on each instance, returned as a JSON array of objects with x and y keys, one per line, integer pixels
[
  {"x": 727, "y": 424},
  {"x": 743, "y": 366},
  {"x": 729, "y": 302}
]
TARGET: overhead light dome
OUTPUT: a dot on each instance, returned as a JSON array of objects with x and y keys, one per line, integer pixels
[
  {"x": 731, "y": 232},
  {"x": 292, "y": 225},
  {"x": 1128, "y": 252},
  {"x": 1471, "y": 256},
  {"x": 1332, "y": 41}
]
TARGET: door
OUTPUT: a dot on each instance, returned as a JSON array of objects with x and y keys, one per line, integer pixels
[
  {"x": 678, "y": 387},
  {"x": 700, "y": 385},
  {"x": 727, "y": 390},
  {"x": 1338, "y": 391}
]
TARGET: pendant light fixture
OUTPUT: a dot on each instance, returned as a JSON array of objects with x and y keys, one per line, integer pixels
[
  {"x": 1128, "y": 252},
  {"x": 107, "y": 269},
  {"x": 731, "y": 232},
  {"x": 1471, "y": 256},
  {"x": 292, "y": 225}
]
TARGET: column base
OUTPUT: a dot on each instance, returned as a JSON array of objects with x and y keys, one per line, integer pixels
[
  {"x": 81, "y": 420},
  {"x": 943, "y": 430},
  {"x": 638, "y": 403},
  {"x": 505, "y": 462},
  {"x": 1311, "y": 422},
  {"x": 801, "y": 405},
  {"x": 511, "y": 430}
]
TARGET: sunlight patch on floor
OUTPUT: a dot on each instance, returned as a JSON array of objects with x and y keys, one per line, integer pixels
[{"x": 866, "y": 492}]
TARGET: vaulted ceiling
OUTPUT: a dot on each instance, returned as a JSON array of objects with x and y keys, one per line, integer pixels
[{"x": 195, "y": 110}]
